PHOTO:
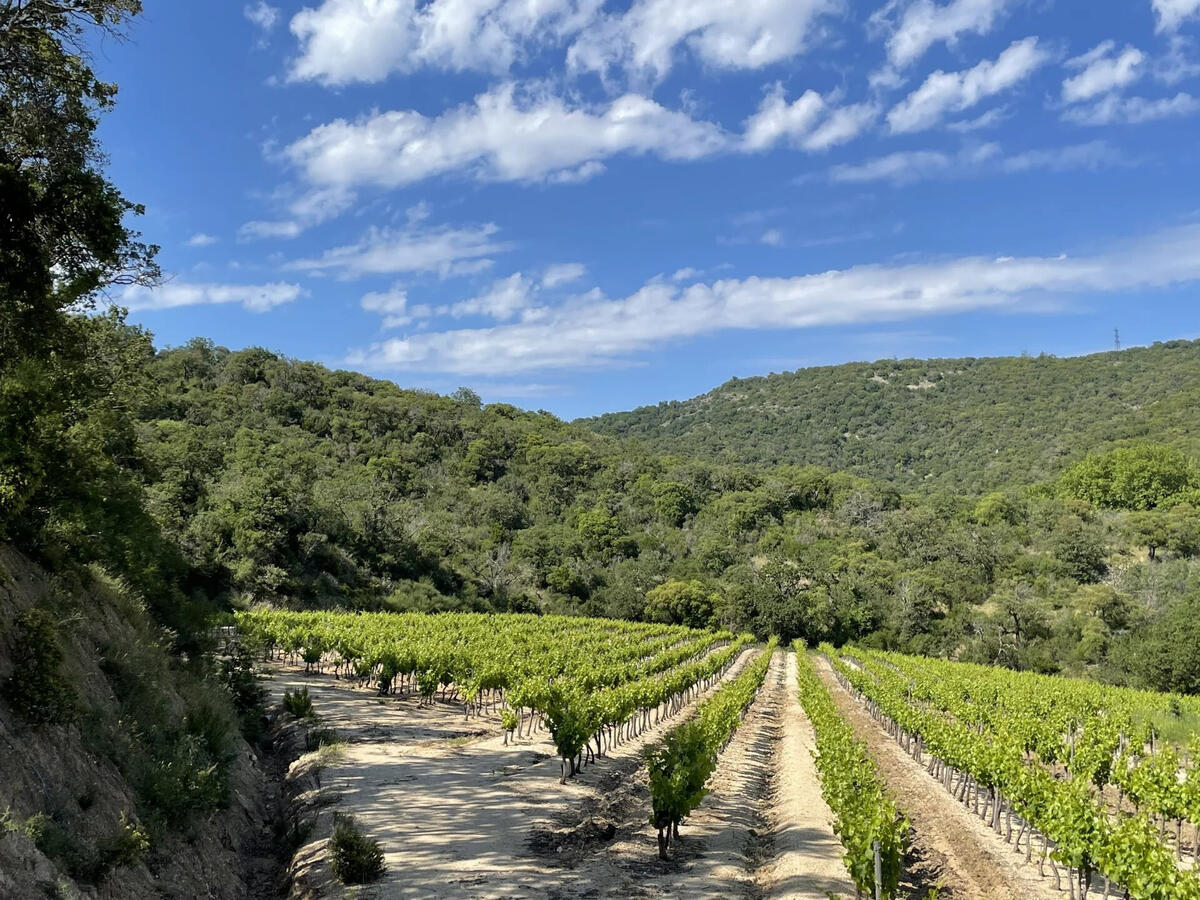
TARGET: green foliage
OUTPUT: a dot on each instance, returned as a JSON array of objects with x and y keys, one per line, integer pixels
[
  {"x": 177, "y": 760},
  {"x": 241, "y": 680},
  {"x": 680, "y": 766},
  {"x": 687, "y": 603},
  {"x": 38, "y": 690},
  {"x": 127, "y": 846},
  {"x": 353, "y": 857},
  {"x": 853, "y": 787},
  {"x": 1141, "y": 477},
  {"x": 298, "y": 703},
  {"x": 961, "y": 425}
]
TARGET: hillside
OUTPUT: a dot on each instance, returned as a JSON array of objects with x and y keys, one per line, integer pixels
[{"x": 959, "y": 425}]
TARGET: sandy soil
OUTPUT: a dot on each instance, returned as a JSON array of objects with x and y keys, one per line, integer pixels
[
  {"x": 763, "y": 830},
  {"x": 455, "y": 809},
  {"x": 974, "y": 863},
  {"x": 808, "y": 856}
]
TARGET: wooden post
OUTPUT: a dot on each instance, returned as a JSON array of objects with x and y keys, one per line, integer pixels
[{"x": 878, "y": 873}]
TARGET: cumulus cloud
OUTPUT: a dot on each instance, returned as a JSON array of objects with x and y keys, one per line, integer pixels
[
  {"x": 1114, "y": 109},
  {"x": 200, "y": 239},
  {"x": 562, "y": 273},
  {"x": 913, "y": 28},
  {"x": 502, "y": 301},
  {"x": 918, "y": 165},
  {"x": 593, "y": 330},
  {"x": 943, "y": 93},
  {"x": 345, "y": 41},
  {"x": 254, "y": 297},
  {"x": 1102, "y": 71},
  {"x": 392, "y": 304},
  {"x": 1173, "y": 13},
  {"x": 646, "y": 39},
  {"x": 809, "y": 122},
  {"x": 498, "y": 137}
]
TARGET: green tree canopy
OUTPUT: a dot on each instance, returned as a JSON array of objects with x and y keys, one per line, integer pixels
[{"x": 1141, "y": 477}]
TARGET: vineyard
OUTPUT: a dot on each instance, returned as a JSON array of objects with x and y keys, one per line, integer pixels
[{"x": 668, "y": 739}]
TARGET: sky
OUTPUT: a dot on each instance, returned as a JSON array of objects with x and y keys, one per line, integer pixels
[{"x": 585, "y": 206}]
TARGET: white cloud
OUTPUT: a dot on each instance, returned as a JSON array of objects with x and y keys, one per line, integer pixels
[
  {"x": 446, "y": 251},
  {"x": 562, "y": 273},
  {"x": 645, "y": 39},
  {"x": 1177, "y": 63},
  {"x": 1113, "y": 109},
  {"x": 1172, "y": 13},
  {"x": 344, "y": 41},
  {"x": 200, "y": 239},
  {"x": 923, "y": 23},
  {"x": 502, "y": 301},
  {"x": 989, "y": 119},
  {"x": 302, "y": 210},
  {"x": 772, "y": 237},
  {"x": 593, "y": 330},
  {"x": 498, "y": 137},
  {"x": 943, "y": 93},
  {"x": 1102, "y": 72},
  {"x": 808, "y": 122},
  {"x": 917, "y": 165},
  {"x": 254, "y": 297},
  {"x": 1091, "y": 156},
  {"x": 914, "y": 165},
  {"x": 261, "y": 15},
  {"x": 392, "y": 304}
]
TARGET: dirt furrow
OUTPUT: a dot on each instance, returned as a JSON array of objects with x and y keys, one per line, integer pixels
[
  {"x": 974, "y": 863},
  {"x": 808, "y": 856}
]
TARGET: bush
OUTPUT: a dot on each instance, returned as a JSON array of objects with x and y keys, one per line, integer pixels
[
  {"x": 320, "y": 737},
  {"x": 299, "y": 704},
  {"x": 37, "y": 689},
  {"x": 245, "y": 690},
  {"x": 128, "y": 846},
  {"x": 354, "y": 858}
]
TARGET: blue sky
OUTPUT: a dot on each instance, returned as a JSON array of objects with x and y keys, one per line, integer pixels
[{"x": 586, "y": 206}]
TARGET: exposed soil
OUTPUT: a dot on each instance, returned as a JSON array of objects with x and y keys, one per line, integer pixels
[
  {"x": 455, "y": 809},
  {"x": 955, "y": 847},
  {"x": 808, "y": 856}
]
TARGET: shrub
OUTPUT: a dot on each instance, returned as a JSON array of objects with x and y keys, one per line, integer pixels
[
  {"x": 320, "y": 737},
  {"x": 354, "y": 858},
  {"x": 37, "y": 689},
  {"x": 299, "y": 704},
  {"x": 245, "y": 690},
  {"x": 128, "y": 846}
]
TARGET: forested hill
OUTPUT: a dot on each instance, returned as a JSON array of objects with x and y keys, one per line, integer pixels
[{"x": 949, "y": 424}]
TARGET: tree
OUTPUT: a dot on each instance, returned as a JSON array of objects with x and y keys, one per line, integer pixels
[
  {"x": 63, "y": 231},
  {"x": 681, "y": 603},
  {"x": 1141, "y": 477}
]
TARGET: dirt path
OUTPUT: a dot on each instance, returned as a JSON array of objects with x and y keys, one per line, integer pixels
[
  {"x": 454, "y": 811},
  {"x": 974, "y": 863},
  {"x": 808, "y": 861},
  {"x": 764, "y": 804}
]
